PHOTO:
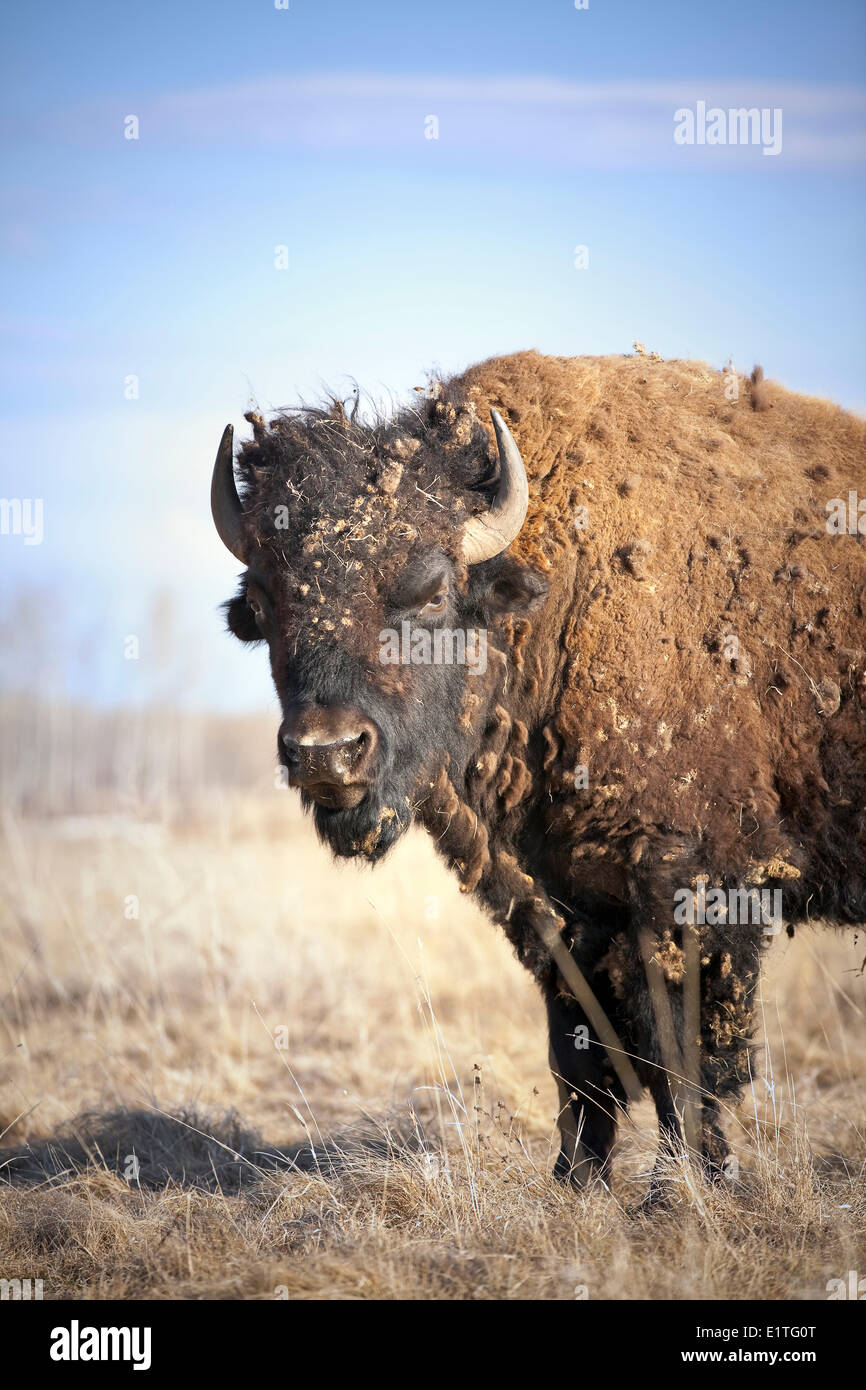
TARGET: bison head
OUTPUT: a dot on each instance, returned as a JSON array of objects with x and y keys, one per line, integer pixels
[{"x": 377, "y": 572}]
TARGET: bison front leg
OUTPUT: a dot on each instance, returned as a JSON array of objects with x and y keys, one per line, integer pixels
[
  {"x": 697, "y": 1031},
  {"x": 590, "y": 1096},
  {"x": 730, "y": 971}
]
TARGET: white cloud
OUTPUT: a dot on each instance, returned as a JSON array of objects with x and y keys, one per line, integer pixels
[{"x": 537, "y": 119}]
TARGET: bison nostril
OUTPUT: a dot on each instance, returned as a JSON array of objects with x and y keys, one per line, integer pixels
[
  {"x": 291, "y": 750},
  {"x": 328, "y": 745},
  {"x": 364, "y": 746}
]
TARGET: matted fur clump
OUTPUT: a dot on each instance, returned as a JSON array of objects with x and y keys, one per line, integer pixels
[{"x": 337, "y": 493}]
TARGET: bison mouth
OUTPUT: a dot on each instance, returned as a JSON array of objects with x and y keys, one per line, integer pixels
[
  {"x": 364, "y": 830},
  {"x": 336, "y": 798}
]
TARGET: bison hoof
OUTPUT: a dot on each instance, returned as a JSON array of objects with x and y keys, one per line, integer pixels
[
  {"x": 580, "y": 1173},
  {"x": 661, "y": 1196}
]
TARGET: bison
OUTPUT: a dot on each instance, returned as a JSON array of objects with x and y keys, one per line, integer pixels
[{"x": 660, "y": 759}]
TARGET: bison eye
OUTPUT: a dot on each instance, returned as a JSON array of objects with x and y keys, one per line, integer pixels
[
  {"x": 259, "y": 611},
  {"x": 434, "y": 606}
]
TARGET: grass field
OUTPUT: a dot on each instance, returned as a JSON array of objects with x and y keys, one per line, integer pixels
[{"x": 233, "y": 1069}]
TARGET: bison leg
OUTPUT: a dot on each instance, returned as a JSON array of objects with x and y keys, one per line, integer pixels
[
  {"x": 589, "y": 1094},
  {"x": 728, "y": 979},
  {"x": 714, "y": 1145},
  {"x": 671, "y": 1144}
]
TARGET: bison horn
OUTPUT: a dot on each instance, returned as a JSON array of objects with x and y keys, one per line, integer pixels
[
  {"x": 493, "y": 531},
  {"x": 225, "y": 504}
]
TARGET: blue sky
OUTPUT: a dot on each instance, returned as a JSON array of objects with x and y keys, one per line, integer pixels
[{"x": 305, "y": 128}]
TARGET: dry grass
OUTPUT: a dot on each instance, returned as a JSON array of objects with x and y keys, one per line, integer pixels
[{"x": 161, "y": 1144}]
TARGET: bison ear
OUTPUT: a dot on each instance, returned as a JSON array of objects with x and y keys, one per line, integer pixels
[
  {"x": 505, "y": 586},
  {"x": 239, "y": 618}
]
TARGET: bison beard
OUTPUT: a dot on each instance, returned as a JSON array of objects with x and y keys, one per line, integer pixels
[
  {"x": 368, "y": 830},
  {"x": 673, "y": 699}
]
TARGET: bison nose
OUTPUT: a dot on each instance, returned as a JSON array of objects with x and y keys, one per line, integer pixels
[{"x": 329, "y": 752}]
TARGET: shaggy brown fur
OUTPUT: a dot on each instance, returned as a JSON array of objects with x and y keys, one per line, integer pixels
[
  {"x": 673, "y": 618},
  {"x": 756, "y": 749}
]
